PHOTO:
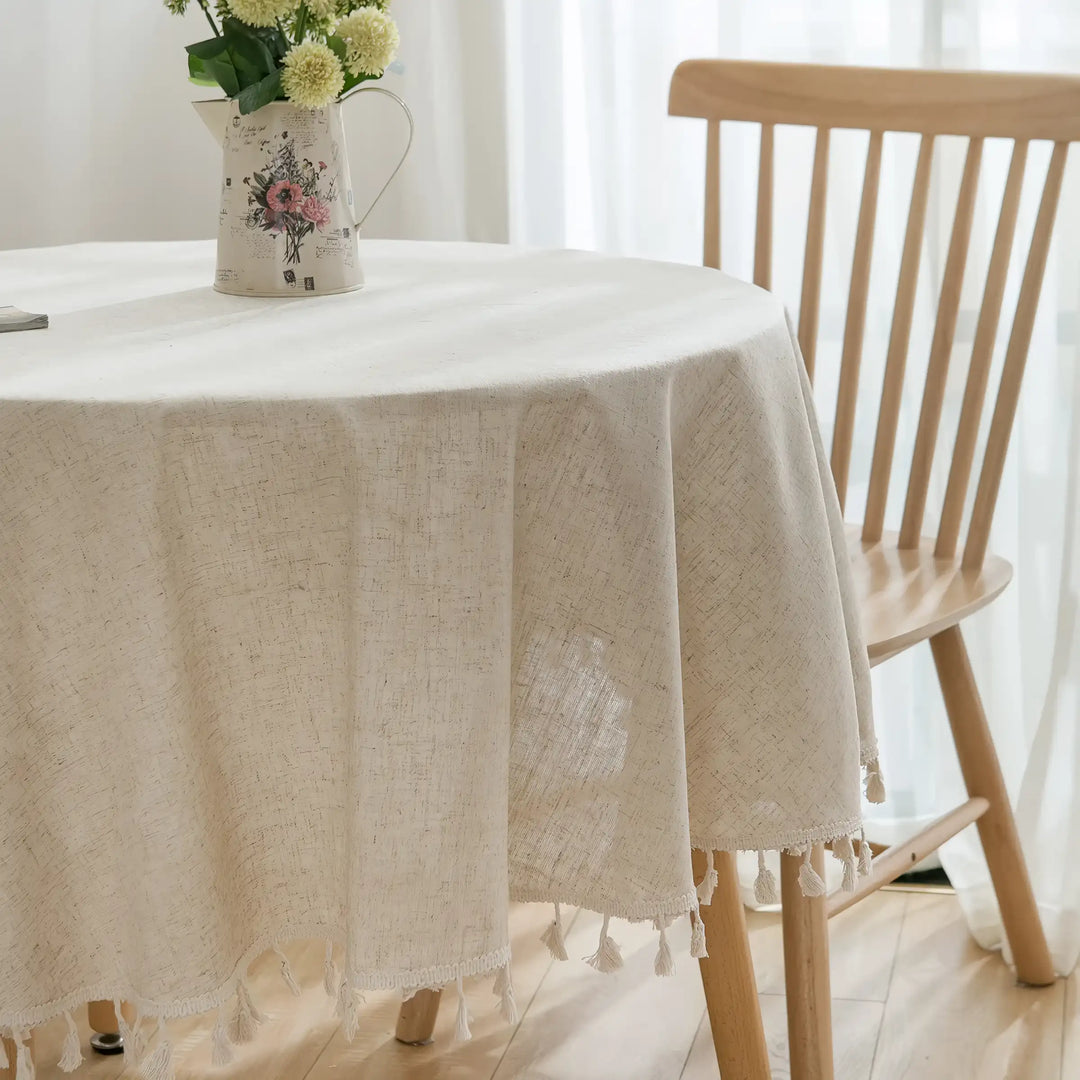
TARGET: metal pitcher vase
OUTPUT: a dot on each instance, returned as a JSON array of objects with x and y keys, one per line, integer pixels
[{"x": 288, "y": 223}]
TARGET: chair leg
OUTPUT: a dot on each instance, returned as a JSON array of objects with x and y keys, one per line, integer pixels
[
  {"x": 416, "y": 1020},
  {"x": 10, "y": 1051},
  {"x": 997, "y": 827},
  {"x": 728, "y": 976},
  {"x": 806, "y": 972}
]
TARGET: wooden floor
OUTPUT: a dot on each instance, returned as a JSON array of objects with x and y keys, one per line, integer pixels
[{"x": 914, "y": 998}]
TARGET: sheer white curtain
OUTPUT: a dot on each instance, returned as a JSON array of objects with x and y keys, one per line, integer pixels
[
  {"x": 545, "y": 123},
  {"x": 594, "y": 162}
]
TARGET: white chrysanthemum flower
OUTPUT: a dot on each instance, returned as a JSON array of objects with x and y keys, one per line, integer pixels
[
  {"x": 311, "y": 75},
  {"x": 371, "y": 39},
  {"x": 322, "y": 9},
  {"x": 262, "y": 12},
  {"x": 177, "y": 7}
]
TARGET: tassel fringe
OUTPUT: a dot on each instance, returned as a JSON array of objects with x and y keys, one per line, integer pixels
[
  {"x": 607, "y": 957},
  {"x": 220, "y": 1043},
  {"x": 331, "y": 981},
  {"x": 553, "y": 938},
  {"x": 24, "y": 1062},
  {"x": 134, "y": 1044},
  {"x": 708, "y": 883},
  {"x": 348, "y": 1010},
  {"x": 286, "y": 972},
  {"x": 71, "y": 1057},
  {"x": 246, "y": 1017},
  {"x": 461, "y": 1028},
  {"x": 809, "y": 879},
  {"x": 875, "y": 783},
  {"x": 765, "y": 883},
  {"x": 845, "y": 852},
  {"x": 866, "y": 856},
  {"x": 504, "y": 989},
  {"x": 158, "y": 1066},
  {"x": 664, "y": 965},
  {"x": 698, "y": 951}
]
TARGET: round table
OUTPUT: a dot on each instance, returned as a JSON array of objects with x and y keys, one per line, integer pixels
[{"x": 514, "y": 575}]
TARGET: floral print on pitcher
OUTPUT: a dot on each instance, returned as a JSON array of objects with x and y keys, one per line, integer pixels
[{"x": 290, "y": 197}]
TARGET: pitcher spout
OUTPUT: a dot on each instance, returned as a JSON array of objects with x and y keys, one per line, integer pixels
[{"x": 215, "y": 115}]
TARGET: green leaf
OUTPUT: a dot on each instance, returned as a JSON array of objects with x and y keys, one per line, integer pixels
[
  {"x": 223, "y": 72},
  {"x": 338, "y": 47},
  {"x": 208, "y": 49},
  {"x": 197, "y": 73},
  {"x": 261, "y": 93},
  {"x": 247, "y": 49}
]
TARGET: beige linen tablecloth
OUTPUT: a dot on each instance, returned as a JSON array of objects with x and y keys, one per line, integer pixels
[{"x": 509, "y": 577}]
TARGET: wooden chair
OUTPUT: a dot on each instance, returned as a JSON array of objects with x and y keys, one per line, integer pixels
[{"x": 912, "y": 588}]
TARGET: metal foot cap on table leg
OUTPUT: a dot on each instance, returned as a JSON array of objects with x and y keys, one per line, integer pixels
[{"x": 107, "y": 1043}]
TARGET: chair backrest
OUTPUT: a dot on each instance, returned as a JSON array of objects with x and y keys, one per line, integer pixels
[{"x": 977, "y": 105}]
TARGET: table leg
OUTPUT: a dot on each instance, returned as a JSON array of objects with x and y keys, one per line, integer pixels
[
  {"x": 102, "y": 1016},
  {"x": 416, "y": 1021},
  {"x": 728, "y": 976},
  {"x": 9, "y": 1051}
]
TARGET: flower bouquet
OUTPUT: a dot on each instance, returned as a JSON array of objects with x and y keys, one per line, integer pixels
[{"x": 309, "y": 52}]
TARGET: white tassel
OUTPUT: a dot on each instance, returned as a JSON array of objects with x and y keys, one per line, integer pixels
[
  {"x": 553, "y": 938},
  {"x": 348, "y": 1010},
  {"x": 707, "y": 885},
  {"x": 158, "y": 1066},
  {"x": 765, "y": 883},
  {"x": 607, "y": 957},
  {"x": 866, "y": 856},
  {"x": 809, "y": 879},
  {"x": 664, "y": 964},
  {"x": 330, "y": 980},
  {"x": 71, "y": 1057},
  {"x": 24, "y": 1061},
  {"x": 131, "y": 1034},
  {"x": 504, "y": 989},
  {"x": 221, "y": 1049},
  {"x": 697, "y": 936},
  {"x": 286, "y": 972},
  {"x": 875, "y": 783},
  {"x": 4, "y": 1063},
  {"x": 461, "y": 1028},
  {"x": 246, "y": 1017}
]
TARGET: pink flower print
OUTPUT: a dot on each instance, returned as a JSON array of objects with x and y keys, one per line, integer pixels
[
  {"x": 274, "y": 221},
  {"x": 322, "y": 165},
  {"x": 283, "y": 196},
  {"x": 318, "y": 213}
]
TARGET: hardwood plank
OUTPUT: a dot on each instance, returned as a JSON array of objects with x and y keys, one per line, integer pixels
[
  {"x": 955, "y": 1010},
  {"x": 586, "y": 1026},
  {"x": 375, "y": 1054},
  {"x": 855, "y": 1029},
  {"x": 857, "y": 972},
  {"x": 1070, "y": 1065}
]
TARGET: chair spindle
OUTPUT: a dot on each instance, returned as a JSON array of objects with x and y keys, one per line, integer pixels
[
  {"x": 763, "y": 236},
  {"x": 940, "y": 350},
  {"x": 810, "y": 304}
]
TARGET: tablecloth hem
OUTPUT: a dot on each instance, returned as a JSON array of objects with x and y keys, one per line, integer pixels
[
  {"x": 409, "y": 980},
  {"x": 794, "y": 840},
  {"x": 682, "y": 904}
]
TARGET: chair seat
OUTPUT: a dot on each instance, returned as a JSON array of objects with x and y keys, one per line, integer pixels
[{"x": 906, "y": 596}]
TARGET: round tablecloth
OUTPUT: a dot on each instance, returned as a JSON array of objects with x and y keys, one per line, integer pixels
[{"x": 511, "y": 576}]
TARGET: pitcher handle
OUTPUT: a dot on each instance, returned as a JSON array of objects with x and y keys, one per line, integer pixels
[{"x": 408, "y": 145}]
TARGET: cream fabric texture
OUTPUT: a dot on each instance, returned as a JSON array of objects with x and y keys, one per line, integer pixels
[{"x": 510, "y": 576}]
